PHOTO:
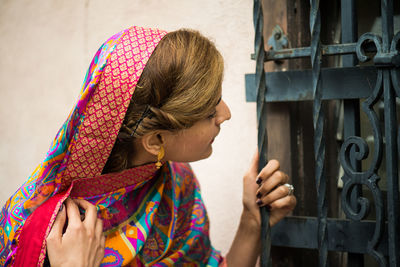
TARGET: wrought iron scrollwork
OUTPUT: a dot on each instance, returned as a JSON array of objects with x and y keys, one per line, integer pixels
[
  {"x": 385, "y": 54},
  {"x": 363, "y": 40},
  {"x": 369, "y": 177},
  {"x": 348, "y": 184}
]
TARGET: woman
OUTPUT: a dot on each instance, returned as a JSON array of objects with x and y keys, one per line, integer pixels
[{"x": 114, "y": 188}]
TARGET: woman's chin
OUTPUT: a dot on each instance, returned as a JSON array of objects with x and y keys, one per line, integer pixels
[
  {"x": 208, "y": 153},
  {"x": 204, "y": 156}
]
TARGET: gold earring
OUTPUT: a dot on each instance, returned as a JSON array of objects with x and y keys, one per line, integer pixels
[{"x": 160, "y": 155}]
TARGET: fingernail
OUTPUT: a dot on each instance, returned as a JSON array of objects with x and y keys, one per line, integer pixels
[
  {"x": 259, "y": 181},
  {"x": 259, "y": 202},
  {"x": 258, "y": 195}
]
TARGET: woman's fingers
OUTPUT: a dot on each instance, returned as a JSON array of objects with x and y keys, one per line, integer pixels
[
  {"x": 90, "y": 215},
  {"x": 281, "y": 208},
  {"x": 83, "y": 242},
  {"x": 254, "y": 164},
  {"x": 269, "y": 189},
  {"x": 288, "y": 203},
  {"x": 74, "y": 217},
  {"x": 99, "y": 227},
  {"x": 99, "y": 233},
  {"x": 271, "y": 167},
  {"x": 56, "y": 232},
  {"x": 275, "y": 179},
  {"x": 271, "y": 184},
  {"x": 280, "y": 192}
]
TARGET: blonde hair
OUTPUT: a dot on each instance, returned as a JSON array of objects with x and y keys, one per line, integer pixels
[{"x": 180, "y": 85}]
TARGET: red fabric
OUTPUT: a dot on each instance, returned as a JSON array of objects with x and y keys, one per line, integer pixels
[
  {"x": 106, "y": 183},
  {"x": 31, "y": 246},
  {"x": 33, "y": 234}
]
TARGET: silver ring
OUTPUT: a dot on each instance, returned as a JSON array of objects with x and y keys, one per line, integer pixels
[{"x": 290, "y": 188}]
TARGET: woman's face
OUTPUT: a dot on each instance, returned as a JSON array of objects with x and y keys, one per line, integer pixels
[{"x": 195, "y": 143}]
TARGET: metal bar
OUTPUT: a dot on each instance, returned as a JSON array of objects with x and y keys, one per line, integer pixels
[
  {"x": 349, "y": 236},
  {"x": 289, "y": 53},
  {"x": 307, "y": 85},
  {"x": 262, "y": 131},
  {"x": 391, "y": 170},
  {"x": 351, "y": 109},
  {"x": 338, "y": 83},
  {"x": 387, "y": 24},
  {"x": 391, "y": 140},
  {"x": 327, "y": 50},
  {"x": 319, "y": 140},
  {"x": 339, "y": 49}
]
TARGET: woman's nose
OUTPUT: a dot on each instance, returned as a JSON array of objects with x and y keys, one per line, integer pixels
[{"x": 224, "y": 113}]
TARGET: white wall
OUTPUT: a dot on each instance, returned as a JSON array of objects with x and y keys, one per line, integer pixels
[{"x": 45, "y": 48}]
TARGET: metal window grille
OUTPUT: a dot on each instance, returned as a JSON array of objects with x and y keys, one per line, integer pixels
[{"x": 379, "y": 238}]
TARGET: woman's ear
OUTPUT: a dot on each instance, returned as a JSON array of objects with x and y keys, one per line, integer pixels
[{"x": 152, "y": 142}]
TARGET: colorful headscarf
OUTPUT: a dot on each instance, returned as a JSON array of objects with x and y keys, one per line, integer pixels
[{"x": 151, "y": 217}]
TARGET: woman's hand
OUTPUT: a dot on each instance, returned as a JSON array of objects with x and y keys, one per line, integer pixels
[
  {"x": 266, "y": 189},
  {"x": 82, "y": 244},
  {"x": 259, "y": 189}
]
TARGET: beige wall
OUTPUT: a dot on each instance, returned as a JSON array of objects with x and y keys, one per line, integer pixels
[{"x": 46, "y": 46}]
